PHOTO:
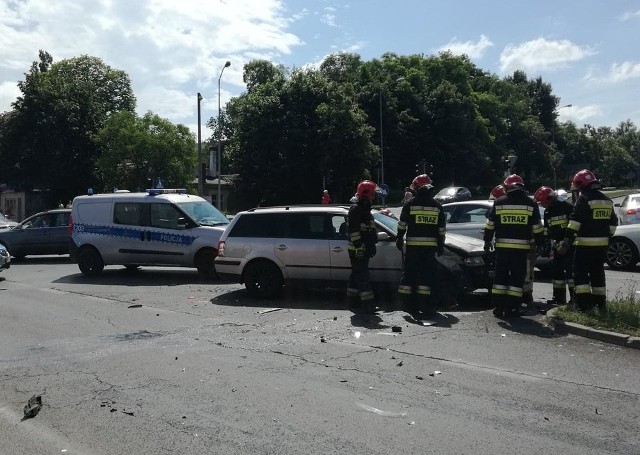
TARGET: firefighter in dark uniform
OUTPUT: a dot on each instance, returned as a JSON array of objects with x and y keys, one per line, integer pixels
[
  {"x": 591, "y": 224},
  {"x": 424, "y": 222},
  {"x": 362, "y": 244},
  {"x": 556, "y": 220},
  {"x": 514, "y": 219}
]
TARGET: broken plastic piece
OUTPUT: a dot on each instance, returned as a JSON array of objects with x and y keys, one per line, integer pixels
[{"x": 33, "y": 406}]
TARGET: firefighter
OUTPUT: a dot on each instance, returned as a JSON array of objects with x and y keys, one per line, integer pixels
[
  {"x": 556, "y": 219},
  {"x": 423, "y": 221},
  {"x": 362, "y": 244},
  {"x": 591, "y": 224},
  {"x": 514, "y": 220}
]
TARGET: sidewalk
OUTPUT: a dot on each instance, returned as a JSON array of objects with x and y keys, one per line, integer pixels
[{"x": 563, "y": 328}]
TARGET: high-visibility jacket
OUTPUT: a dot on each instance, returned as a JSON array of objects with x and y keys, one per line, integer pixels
[
  {"x": 592, "y": 221},
  {"x": 424, "y": 222},
  {"x": 361, "y": 227},
  {"x": 514, "y": 220},
  {"x": 556, "y": 219}
]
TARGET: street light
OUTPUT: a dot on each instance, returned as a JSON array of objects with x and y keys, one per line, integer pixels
[
  {"x": 200, "y": 176},
  {"x": 381, "y": 145},
  {"x": 218, "y": 196}
]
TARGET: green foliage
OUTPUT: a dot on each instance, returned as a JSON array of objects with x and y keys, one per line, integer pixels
[
  {"x": 135, "y": 151},
  {"x": 48, "y": 139}
]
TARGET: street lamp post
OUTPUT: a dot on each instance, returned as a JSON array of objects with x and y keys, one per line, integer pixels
[
  {"x": 200, "y": 176},
  {"x": 219, "y": 195},
  {"x": 381, "y": 144}
]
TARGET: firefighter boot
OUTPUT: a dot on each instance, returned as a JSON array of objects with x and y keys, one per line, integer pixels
[
  {"x": 499, "y": 301},
  {"x": 559, "y": 296}
]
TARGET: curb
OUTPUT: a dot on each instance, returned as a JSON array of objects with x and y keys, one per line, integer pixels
[{"x": 563, "y": 327}]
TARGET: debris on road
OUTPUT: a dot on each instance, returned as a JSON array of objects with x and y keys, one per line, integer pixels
[
  {"x": 435, "y": 373},
  {"x": 400, "y": 363},
  {"x": 33, "y": 406},
  {"x": 270, "y": 310},
  {"x": 420, "y": 378},
  {"x": 396, "y": 329},
  {"x": 127, "y": 413},
  {"x": 322, "y": 340},
  {"x": 380, "y": 412},
  {"x": 137, "y": 305}
]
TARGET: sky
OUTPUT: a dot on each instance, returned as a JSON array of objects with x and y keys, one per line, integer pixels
[{"x": 586, "y": 49}]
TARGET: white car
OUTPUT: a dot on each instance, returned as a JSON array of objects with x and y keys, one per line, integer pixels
[
  {"x": 5, "y": 258},
  {"x": 624, "y": 247},
  {"x": 628, "y": 210}
]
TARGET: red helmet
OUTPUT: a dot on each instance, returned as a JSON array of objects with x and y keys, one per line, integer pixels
[
  {"x": 366, "y": 189},
  {"x": 583, "y": 179},
  {"x": 513, "y": 182},
  {"x": 497, "y": 192},
  {"x": 545, "y": 196},
  {"x": 421, "y": 181}
]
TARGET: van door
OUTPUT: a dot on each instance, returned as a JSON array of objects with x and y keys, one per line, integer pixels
[
  {"x": 304, "y": 250},
  {"x": 128, "y": 236},
  {"x": 169, "y": 240}
]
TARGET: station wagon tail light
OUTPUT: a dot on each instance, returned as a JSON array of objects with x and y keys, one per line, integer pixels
[
  {"x": 221, "y": 248},
  {"x": 632, "y": 211}
]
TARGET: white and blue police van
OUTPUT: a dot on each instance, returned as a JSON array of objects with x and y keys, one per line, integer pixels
[{"x": 160, "y": 227}]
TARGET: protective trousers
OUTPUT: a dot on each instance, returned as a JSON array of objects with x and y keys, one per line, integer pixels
[
  {"x": 527, "y": 288},
  {"x": 562, "y": 277},
  {"x": 359, "y": 281},
  {"x": 418, "y": 277},
  {"x": 511, "y": 269},
  {"x": 589, "y": 277}
]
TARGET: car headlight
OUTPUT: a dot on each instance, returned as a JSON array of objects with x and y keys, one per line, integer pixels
[{"x": 474, "y": 261}]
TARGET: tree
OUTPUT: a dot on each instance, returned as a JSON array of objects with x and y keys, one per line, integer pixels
[
  {"x": 136, "y": 151},
  {"x": 48, "y": 140}
]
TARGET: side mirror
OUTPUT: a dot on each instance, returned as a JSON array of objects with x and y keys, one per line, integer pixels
[
  {"x": 182, "y": 223},
  {"x": 383, "y": 236}
]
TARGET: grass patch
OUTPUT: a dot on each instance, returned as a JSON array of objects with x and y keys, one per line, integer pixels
[{"x": 623, "y": 315}]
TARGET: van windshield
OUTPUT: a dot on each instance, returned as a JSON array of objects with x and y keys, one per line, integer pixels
[{"x": 203, "y": 213}]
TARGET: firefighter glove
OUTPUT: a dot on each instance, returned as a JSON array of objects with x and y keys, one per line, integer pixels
[
  {"x": 562, "y": 247},
  {"x": 487, "y": 246},
  {"x": 359, "y": 252},
  {"x": 400, "y": 243}
]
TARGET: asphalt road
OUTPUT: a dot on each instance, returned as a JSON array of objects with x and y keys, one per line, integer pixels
[{"x": 197, "y": 367}]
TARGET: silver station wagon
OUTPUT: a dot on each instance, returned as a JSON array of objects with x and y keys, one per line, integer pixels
[{"x": 269, "y": 248}]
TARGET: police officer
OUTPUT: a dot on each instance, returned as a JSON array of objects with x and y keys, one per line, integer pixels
[
  {"x": 423, "y": 221},
  {"x": 591, "y": 224},
  {"x": 514, "y": 219},
  {"x": 556, "y": 220},
  {"x": 362, "y": 244}
]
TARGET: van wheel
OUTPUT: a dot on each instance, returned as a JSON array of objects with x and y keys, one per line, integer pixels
[
  {"x": 90, "y": 262},
  {"x": 263, "y": 279},
  {"x": 205, "y": 263}
]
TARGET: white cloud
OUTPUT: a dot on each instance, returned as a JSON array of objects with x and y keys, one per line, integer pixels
[
  {"x": 542, "y": 54},
  {"x": 9, "y": 91},
  {"x": 630, "y": 15},
  {"x": 474, "y": 50},
  {"x": 329, "y": 19},
  {"x": 579, "y": 113},
  {"x": 617, "y": 73}
]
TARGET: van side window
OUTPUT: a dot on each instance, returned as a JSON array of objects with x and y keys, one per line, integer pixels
[
  {"x": 129, "y": 213},
  {"x": 164, "y": 216}
]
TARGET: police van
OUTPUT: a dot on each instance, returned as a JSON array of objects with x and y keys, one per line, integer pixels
[{"x": 161, "y": 227}]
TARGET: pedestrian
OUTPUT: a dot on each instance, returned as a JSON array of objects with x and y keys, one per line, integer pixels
[
  {"x": 408, "y": 195},
  {"x": 592, "y": 223},
  {"x": 514, "y": 220},
  {"x": 424, "y": 222},
  {"x": 362, "y": 246},
  {"x": 326, "y": 199},
  {"x": 556, "y": 220}
]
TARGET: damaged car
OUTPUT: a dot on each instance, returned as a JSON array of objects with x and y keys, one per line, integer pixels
[{"x": 269, "y": 248}]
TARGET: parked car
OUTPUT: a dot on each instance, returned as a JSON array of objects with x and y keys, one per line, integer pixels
[
  {"x": 42, "y": 233},
  {"x": 6, "y": 223},
  {"x": 453, "y": 194},
  {"x": 628, "y": 210},
  {"x": 624, "y": 247},
  {"x": 268, "y": 248},
  {"x": 5, "y": 258}
]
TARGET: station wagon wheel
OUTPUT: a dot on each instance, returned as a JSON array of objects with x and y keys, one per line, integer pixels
[
  {"x": 263, "y": 279},
  {"x": 622, "y": 253},
  {"x": 90, "y": 262},
  {"x": 205, "y": 263}
]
